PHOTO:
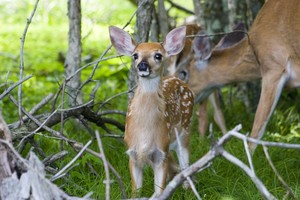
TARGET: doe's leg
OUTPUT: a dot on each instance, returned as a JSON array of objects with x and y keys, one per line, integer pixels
[
  {"x": 272, "y": 84},
  {"x": 218, "y": 114},
  {"x": 203, "y": 117}
]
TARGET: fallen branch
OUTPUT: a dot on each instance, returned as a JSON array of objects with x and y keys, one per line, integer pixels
[
  {"x": 285, "y": 185},
  {"x": 8, "y": 90},
  {"x": 258, "y": 183},
  {"x": 58, "y": 174},
  {"x": 26, "y": 178},
  {"x": 197, "y": 166},
  {"x": 45, "y": 121},
  {"x": 218, "y": 150},
  {"x": 107, "y": 181}
]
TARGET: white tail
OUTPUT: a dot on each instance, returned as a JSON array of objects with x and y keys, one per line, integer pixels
[
  {"x": 159, "y": 106},
  {"x": 271, "y": 51},
  {"x": 182, "y": 60}
]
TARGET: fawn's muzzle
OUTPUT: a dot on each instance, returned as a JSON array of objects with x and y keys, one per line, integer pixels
[{"x": 143, "y": 69}]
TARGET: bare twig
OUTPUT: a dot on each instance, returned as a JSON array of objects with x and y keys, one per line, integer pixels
[
  {"x": 22, "y": 58},
  {"x": 115, "y": 96},
  {"x": 181, "y": 8},
  {"x": 103, "y": 157},
  {"x": 35, "y": 120},
  {"x": 258, "y": 183},
  {"x": 109, "y": 112},
  {"x": 119, "y": 178},
  {"x": 179, "y": 178},
  {"x": 248, "y": 154},
  {"x": 39, "y": 105},
  {"x": 52, "y": 158},
  {"x": 71, "y": 162},
  {"x": 18, "y": 156},
  {"x": 285, "y": 185},
  {"x": 8, "y": 90},
  {"x": 180, "y": 155},
  {"x": 265, "y": 143},
  {"x": 100, "y": 59},
  {"x": 216, "y": 150},
  {"x": 51, "y": 119},
  {"x": 62, "y": 105}
]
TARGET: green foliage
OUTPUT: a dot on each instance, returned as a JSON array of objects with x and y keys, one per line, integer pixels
[{"x": 47, "y": 39}]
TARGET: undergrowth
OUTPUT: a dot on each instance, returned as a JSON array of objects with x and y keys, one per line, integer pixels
[{"x": 222, "y": 180}]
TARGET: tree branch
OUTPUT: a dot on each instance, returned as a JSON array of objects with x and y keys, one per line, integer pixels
[{"x": 22, "y": 58}]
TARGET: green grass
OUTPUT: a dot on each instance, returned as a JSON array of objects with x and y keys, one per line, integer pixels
[{"x": 47, "y": 36}]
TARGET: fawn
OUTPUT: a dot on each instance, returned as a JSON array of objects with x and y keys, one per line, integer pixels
[
  {"x": 181, "y": 61},
  {"x": 160, "y": 107}
]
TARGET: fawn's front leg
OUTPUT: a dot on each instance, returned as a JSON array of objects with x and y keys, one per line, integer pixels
[
  {"x": 136, "y": 173},
  {"x": 160, "y": 176}
]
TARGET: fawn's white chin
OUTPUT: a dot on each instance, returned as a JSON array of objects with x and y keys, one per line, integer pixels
[{"x": 143, "y": 73}]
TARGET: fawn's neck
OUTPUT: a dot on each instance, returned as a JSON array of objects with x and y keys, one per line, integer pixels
[{"x": 149, "y": 85}]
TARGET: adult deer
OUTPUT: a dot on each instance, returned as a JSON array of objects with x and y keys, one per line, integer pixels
[
  {"x": 159, "y": 107},
  {"x": 181, "y": 60},
  {"x": 270, "y": 52}
]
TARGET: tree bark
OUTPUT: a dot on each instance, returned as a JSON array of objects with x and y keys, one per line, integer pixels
[
  {"x": 73, "y": 58},
  {"x": 6, "y": 161},
  {"x": 141, "y": 34},
  {"x": 163, "y": 19},
  {"x": 199, "y": 13}
]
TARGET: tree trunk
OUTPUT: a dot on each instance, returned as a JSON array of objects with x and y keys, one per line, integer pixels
[
  {"x": 163, "y": 19},
  {"x": 199, "y": 13},
  {"x": 73, "y": 58},
  {"x": 142, "y": 29}
]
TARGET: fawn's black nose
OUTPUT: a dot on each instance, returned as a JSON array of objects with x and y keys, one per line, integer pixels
[
  {"x": 143, "y": 69},
  {"x": 143, "y": 66}
]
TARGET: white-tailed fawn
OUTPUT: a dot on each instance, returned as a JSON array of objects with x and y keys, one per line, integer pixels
[
  {"x": 161, "y": 106},
  {"x": 181, "y": 61}
]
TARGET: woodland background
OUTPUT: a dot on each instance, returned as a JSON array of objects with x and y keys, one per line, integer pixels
[{"x": 101, "y": 89}]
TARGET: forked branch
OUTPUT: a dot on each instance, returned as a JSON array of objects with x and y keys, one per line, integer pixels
[{"x": 218, "y": 150}]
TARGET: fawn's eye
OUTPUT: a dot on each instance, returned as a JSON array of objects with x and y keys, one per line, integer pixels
[
  {"x": 158, "y": 56},
  {"x": 135, "y": 56}
]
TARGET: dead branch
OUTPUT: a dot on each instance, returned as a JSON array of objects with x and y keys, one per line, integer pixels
[
  {"x": 188, "y": 178},
  {"x": 218, "y": 150},
  {"x": 180, "y": 7},
  {"x": 258, "y": 183},
  {"x": 53, "y": 158},
  {"x": 8, "y": 90},
  {"x": 22, "y": 58},
  {"x": 285, "y": 185},
  {"x": 58, "y": 174},
  {"x": 113, "y": 170},
  {"x": 107, "y": 181},
  {"x": 31, "y": 183},
  {"x": 44, "y": 121},
  {"x": 194, "y": 168},
  {"x": 39, "y": 105}
]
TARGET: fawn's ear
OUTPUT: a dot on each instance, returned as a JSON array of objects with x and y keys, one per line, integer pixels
[
  {"x": 202, "y": 46},
  {"x": 122, "y": 41},
  {"x": 175, "y": 41}
]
